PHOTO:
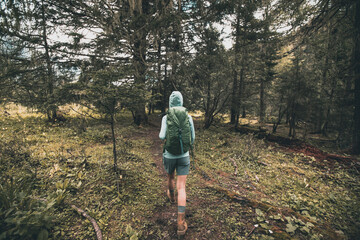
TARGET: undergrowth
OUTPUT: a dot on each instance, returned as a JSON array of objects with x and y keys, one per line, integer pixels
[
  {"x": 44, "y": 168},
  {"x": 72, "y": 163},
  {"x": 269, "y": 175}
]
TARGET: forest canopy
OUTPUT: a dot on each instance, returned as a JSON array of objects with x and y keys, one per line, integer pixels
[{"x": 293, "y": 62}]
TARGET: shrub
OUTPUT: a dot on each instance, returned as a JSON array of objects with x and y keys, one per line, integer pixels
[{"x": 23, "y": 216}]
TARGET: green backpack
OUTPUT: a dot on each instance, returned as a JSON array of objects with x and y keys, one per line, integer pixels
[{"x": 178, "y": 133}]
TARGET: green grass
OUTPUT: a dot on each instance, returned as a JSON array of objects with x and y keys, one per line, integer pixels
[
  {"x": 59, "y": 154},
  {"x": 266, "y": 173},
  {"x": 72, "y": 163}
]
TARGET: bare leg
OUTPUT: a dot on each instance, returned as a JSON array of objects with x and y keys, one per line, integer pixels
[
  {"x": 171, "y": 186},
  {"x": 181, "y": 182},
  {"x": 182, "y": 225},
  {"x": 171, "y": 181}
]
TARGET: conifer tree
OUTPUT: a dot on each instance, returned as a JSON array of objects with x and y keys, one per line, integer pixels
[{"x": 28, "y": 25}]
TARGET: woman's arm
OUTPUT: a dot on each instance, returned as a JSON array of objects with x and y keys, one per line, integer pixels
[
  {"x": 162, "y": 134},
  {"x": 192, "y": 129}
]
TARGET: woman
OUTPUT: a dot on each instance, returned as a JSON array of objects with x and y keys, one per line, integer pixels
[{"x": 177, "y": 128}]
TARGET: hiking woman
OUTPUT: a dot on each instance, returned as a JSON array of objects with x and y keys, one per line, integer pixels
[{"x": 177, "y": 128}]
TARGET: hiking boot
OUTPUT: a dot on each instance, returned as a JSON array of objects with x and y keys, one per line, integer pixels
[
  {"x": 170, "y": 196},
  {"x": 182, "y": 225}
]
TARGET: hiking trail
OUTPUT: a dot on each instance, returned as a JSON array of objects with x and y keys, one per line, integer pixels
[
  {"x": 199, "y": 198},
  {"x": 219, "y": 205}
]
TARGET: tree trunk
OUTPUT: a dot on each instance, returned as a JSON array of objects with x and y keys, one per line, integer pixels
[
  {"x": 208, "y": 112},
  {"x": 262, "y": 101},
  {"x": 294, "y": 99},
  {"x": 234, "y": 99},
  {"x": 166, "y": 85},
  {"x": 113, "y": 137},
  {"x": 325, "y": 110},
  {"x": 287, "y": 120},
  {"x": 140, "y": 68},
  {"x": 176, "y": 50},
  {"x": 140, "y": 115},
  {"x": 356, "y": 65},
  {"x": 280, "y": 116},
  {"x": 51, "y": 106},
  {"x": 112, "y": 123},
  {"x": 240, "y": 96},
  {"x": 139, "y": 46},
  {"x": 243, "y": 112},
  {"x": 150, "y": 106},
  {"x": 159, "y": 76},
  {"x": 234, "y": 111},
  {"x": 242, "y": 87},
  {"x": 324, "y": 127},
  {"x": 292, "y": 124},
  {"x": 208, "y": 120}
]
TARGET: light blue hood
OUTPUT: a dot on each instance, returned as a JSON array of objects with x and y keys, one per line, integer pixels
[{"x": 176, "y": 99}]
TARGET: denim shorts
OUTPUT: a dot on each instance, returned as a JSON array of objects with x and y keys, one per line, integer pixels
[{"x": 182, "y": 165}]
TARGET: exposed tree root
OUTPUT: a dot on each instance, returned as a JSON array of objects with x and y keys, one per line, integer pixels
[{"x": 93, "y": 222}]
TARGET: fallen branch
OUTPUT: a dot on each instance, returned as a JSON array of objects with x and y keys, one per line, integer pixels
[
  {"x": 93, "y": 222},
  {"x": 83, "y": 213},
  {"x": 252, "y": 230},
  {"x": 262, "y": 163}
]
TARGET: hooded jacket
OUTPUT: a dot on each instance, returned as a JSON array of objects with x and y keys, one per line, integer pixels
[{"x": 175, "y": 100}]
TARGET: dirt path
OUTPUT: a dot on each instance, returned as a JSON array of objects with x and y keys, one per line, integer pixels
[
  {"x": 200, "y": 198},
  {"x": 165, "y": 216},
  {"x": 219, "y": 206}
]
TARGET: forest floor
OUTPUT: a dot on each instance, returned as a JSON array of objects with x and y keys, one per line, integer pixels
[{"x": 239, "y": 187}]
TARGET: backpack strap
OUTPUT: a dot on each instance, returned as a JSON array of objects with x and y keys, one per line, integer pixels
[{"x": 181, "y": 141}]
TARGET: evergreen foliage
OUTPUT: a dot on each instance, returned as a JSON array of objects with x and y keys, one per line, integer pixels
[{"x": 176, "y": 45}]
